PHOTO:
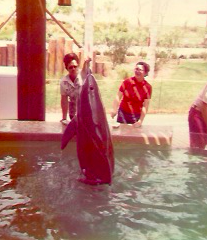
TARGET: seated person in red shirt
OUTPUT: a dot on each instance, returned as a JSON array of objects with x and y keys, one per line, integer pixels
[{"x": 132, "y": 100}]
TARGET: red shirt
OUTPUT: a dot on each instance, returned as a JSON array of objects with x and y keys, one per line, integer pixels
[{"x": 134, "y": 94}]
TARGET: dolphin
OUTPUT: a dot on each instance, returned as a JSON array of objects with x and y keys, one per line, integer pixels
[{"x": 93, "y": 138}]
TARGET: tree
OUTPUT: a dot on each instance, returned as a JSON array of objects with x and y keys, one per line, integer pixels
[
  {"x": 163, "y": 9},
  {"x": 138, "y": 13},
  {"x": 118, "y": 39},
  {"x": 110, "y": 8},
  {"x": 170, "y": 40}
]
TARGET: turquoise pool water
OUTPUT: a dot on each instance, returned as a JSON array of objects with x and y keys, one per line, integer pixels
[{"x": 155, "y": 195}]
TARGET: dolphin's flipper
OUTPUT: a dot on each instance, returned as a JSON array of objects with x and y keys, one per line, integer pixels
[{"x": 69, "y": 133}]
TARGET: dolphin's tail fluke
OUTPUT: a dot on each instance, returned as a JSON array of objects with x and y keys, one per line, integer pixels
[{"x": 69, "y": 133}]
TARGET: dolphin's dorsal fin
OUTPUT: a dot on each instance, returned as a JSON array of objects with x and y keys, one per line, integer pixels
[{"x": 69, "y": 132}]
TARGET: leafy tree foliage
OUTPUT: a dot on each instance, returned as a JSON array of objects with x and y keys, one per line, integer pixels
[
  {"x": 170, "y": 40},
  {"x": 118, "y": 39}
]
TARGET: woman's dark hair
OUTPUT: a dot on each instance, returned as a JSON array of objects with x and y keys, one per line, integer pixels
[
  {"x": 146, "y": 67},
  {"x": 69, "y": 58}
]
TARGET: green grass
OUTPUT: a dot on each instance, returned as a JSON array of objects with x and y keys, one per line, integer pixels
[
  {"x": 173, "y": 97},
  {"x": 173, "y": 94},
  {"x": 53, "y": 96},
  {"x": 176, "y": 93},
  {"x": 191, "y": 71}
]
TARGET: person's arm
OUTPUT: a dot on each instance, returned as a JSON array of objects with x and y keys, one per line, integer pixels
[
  {"x": 204, "y": 112},
  {"x": 85, "y": 68},
  {"x": 116, "y": 103},
  {"x": 64, "y": 106},
  {"x": 143, "y": 113}
]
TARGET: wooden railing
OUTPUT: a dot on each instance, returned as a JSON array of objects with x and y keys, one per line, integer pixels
[{"x": 55, "y": 51}]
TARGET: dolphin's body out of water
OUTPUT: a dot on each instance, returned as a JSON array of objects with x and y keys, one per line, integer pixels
[{"x": 94, "y": 144}]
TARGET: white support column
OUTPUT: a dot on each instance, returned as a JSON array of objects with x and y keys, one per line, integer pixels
[
  {"x": 88, "y": 38},
  {"x": 153, "y": 37}
]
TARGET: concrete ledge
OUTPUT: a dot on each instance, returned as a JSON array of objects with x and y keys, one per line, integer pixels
[
  {"x": 13, "y": 130},
  {"x": 148, "y": 135}
]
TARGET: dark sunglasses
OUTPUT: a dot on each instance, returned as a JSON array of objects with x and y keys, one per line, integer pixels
[
  {"x": 139, "y": 69},
  {"x": 72, "y": 67}
]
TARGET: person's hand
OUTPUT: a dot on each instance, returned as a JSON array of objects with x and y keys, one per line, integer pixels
[
  {"x": 85, "y": 69},
  {"x": 114, "y": 123},
  {"x": 88, "y": 59},
  {"x": 137, "y": 124},
  {"x": 113, "y": 114},
  {"x": 87, "y": 62},
  {"x": 64, "y": 121}
]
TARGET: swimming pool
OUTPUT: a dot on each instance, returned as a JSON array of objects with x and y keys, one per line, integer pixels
[{"x": 156, "y": 194}]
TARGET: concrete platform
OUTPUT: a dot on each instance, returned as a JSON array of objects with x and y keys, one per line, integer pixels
[{"x": 13, "y": 130}]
